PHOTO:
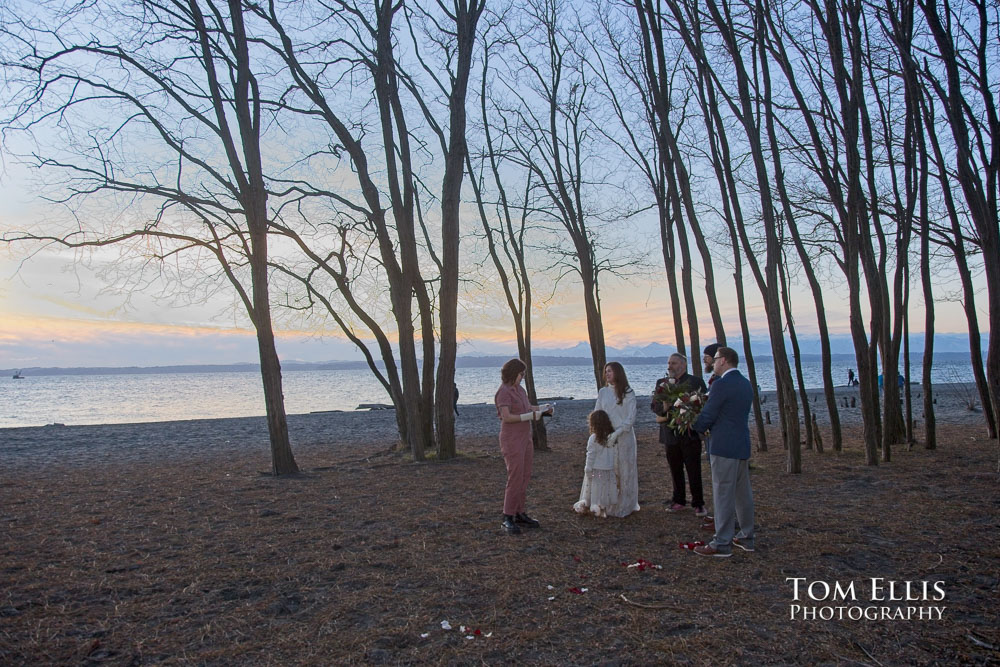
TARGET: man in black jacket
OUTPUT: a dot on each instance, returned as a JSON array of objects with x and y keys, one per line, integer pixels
[{"x": 683, "y": 449}]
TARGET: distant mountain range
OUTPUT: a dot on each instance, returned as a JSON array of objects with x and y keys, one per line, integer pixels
[
  {"x": 946, "y": 347},
  {"x": 761, "y": 346}
]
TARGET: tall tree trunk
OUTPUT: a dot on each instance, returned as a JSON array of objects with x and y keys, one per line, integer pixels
[
  {"x": 875, "y": 272},
  {"x": 797, "y": 355},
  {"x": 670, "y": 265},
  {"x": 958, "y": 249},
  {"x": 907, "y": 392},
  {"x": 743, "y": 108},
  {"x": 930, "y": 421},
  {"x": 830, "y": 178},
  {"x": 686, "y": 269},
  {"x": 466, "y": 17},
  {"x": 254, "y": 200},
  {"x": 733, "y": 215},
  {"x": 658, "y": 76},
  {"x": 772, "y": 303},
  {"x": 679, "y": 172},
  {"x": 981, "y": 200},
  {"x": 595, "y": 324},
  {"x": 282, "y": 460},
  {"x": 850, "y": 91}
]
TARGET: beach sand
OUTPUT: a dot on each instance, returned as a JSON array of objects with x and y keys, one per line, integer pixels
[{"x": 164, "y": 544}]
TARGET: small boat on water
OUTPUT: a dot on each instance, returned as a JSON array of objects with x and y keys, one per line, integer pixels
[{"x": 18, "y": 376}]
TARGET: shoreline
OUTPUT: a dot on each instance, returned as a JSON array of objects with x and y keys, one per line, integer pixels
[{"x": 343, "y": 430}]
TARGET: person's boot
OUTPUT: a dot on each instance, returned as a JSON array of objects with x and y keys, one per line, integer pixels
[
  {"x": 509, "y": 525},
  {"x": 526, "y": 520}
]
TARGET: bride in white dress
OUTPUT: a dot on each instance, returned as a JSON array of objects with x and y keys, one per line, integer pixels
[{"x": 618, "y": 400}]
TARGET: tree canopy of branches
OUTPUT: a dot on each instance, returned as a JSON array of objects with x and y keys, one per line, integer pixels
[
  {"x": 161, "y": 111},
  {"x": 311, "y": 157}
]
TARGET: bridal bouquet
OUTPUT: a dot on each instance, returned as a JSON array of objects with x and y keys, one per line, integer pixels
[{"x": 682, "y": 414}]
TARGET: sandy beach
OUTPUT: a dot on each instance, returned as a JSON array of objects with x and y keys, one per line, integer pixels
[{"x": 164, "y": 544}]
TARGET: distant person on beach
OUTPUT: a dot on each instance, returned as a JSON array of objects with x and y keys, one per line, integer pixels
[
  {"x": 618, "y": 400},
  {"x": 708, "y": 360},
  {"x": 683, "y": 450},
  {"x": 727, "y": 413},
  {"x": 599, "y": 490},
  {"x": 850, "y": 377},
  {"x": 900, "y": 381},
  {"x": 456, "y": 400},
  {"x": 515, "y": 411}
]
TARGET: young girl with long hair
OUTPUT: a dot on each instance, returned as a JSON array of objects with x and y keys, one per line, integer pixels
[{"x": 600, "y": 481}]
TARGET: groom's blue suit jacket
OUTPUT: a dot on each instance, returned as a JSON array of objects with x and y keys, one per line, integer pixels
[{"x": 726, "y": 413}]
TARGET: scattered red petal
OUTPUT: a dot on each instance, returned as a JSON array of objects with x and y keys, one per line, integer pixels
[
  {"x": 690, "y": 545},
  {"x": 576, "y": 590},
  {"x": 477, "y": 632},
  {"x": 577, "y": 559}
]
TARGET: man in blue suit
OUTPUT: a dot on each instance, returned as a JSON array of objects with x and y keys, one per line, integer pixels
[{"x": 727, "y": 413}]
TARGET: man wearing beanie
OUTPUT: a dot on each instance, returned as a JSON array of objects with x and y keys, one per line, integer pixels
[{"x": 708, "y": 361}]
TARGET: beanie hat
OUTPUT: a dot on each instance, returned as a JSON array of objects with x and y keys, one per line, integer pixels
[{"x": 711, "y": 350}]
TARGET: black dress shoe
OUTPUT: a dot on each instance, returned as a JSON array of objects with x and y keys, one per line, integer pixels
[
  {"x": 526, "y": 520},
  {"x": 509, "y": 525}
]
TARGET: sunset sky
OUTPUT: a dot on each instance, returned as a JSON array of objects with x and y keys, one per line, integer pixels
[{"x": 54, "y": 311}]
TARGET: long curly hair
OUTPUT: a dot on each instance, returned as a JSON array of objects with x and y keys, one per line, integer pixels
[
  {"x": 600, "y": 425},
  {"x": 621, "y": 380}
]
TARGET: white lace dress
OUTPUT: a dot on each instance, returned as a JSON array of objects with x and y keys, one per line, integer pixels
[
  {"x": 599, "y": 490},
  {"x": 623, "y": 419}
]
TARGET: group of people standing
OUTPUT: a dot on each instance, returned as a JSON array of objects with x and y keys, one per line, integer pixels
[{"x": 610, "y": 485}]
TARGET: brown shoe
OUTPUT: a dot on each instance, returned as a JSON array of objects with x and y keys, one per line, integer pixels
[
  {"x": 709, "y": 550},
  {"x": 708, "y": 524},
  {"x": 744, "y": 544}
]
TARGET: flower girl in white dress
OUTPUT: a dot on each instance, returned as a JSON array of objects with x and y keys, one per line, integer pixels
[{"x": 600, "y": 478}]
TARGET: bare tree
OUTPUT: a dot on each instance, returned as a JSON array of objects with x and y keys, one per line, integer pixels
[
  {"x": 165, "y": 116},
  {"x": 976, "y": 145},
  {"x": 454, "y": 34},
  {"x": 960, "y": 247},
  {"x": 775, "y": 46},
  {"x": 554, "y": 138},
  {"x": 384, "y": 150},
  {"x": 659, "y": 71},
  {"x": 742, "y": 106},
  {"x": 506, "y": 226}
]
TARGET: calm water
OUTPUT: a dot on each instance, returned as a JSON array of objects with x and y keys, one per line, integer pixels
[{"x": 112, "y": 399}]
